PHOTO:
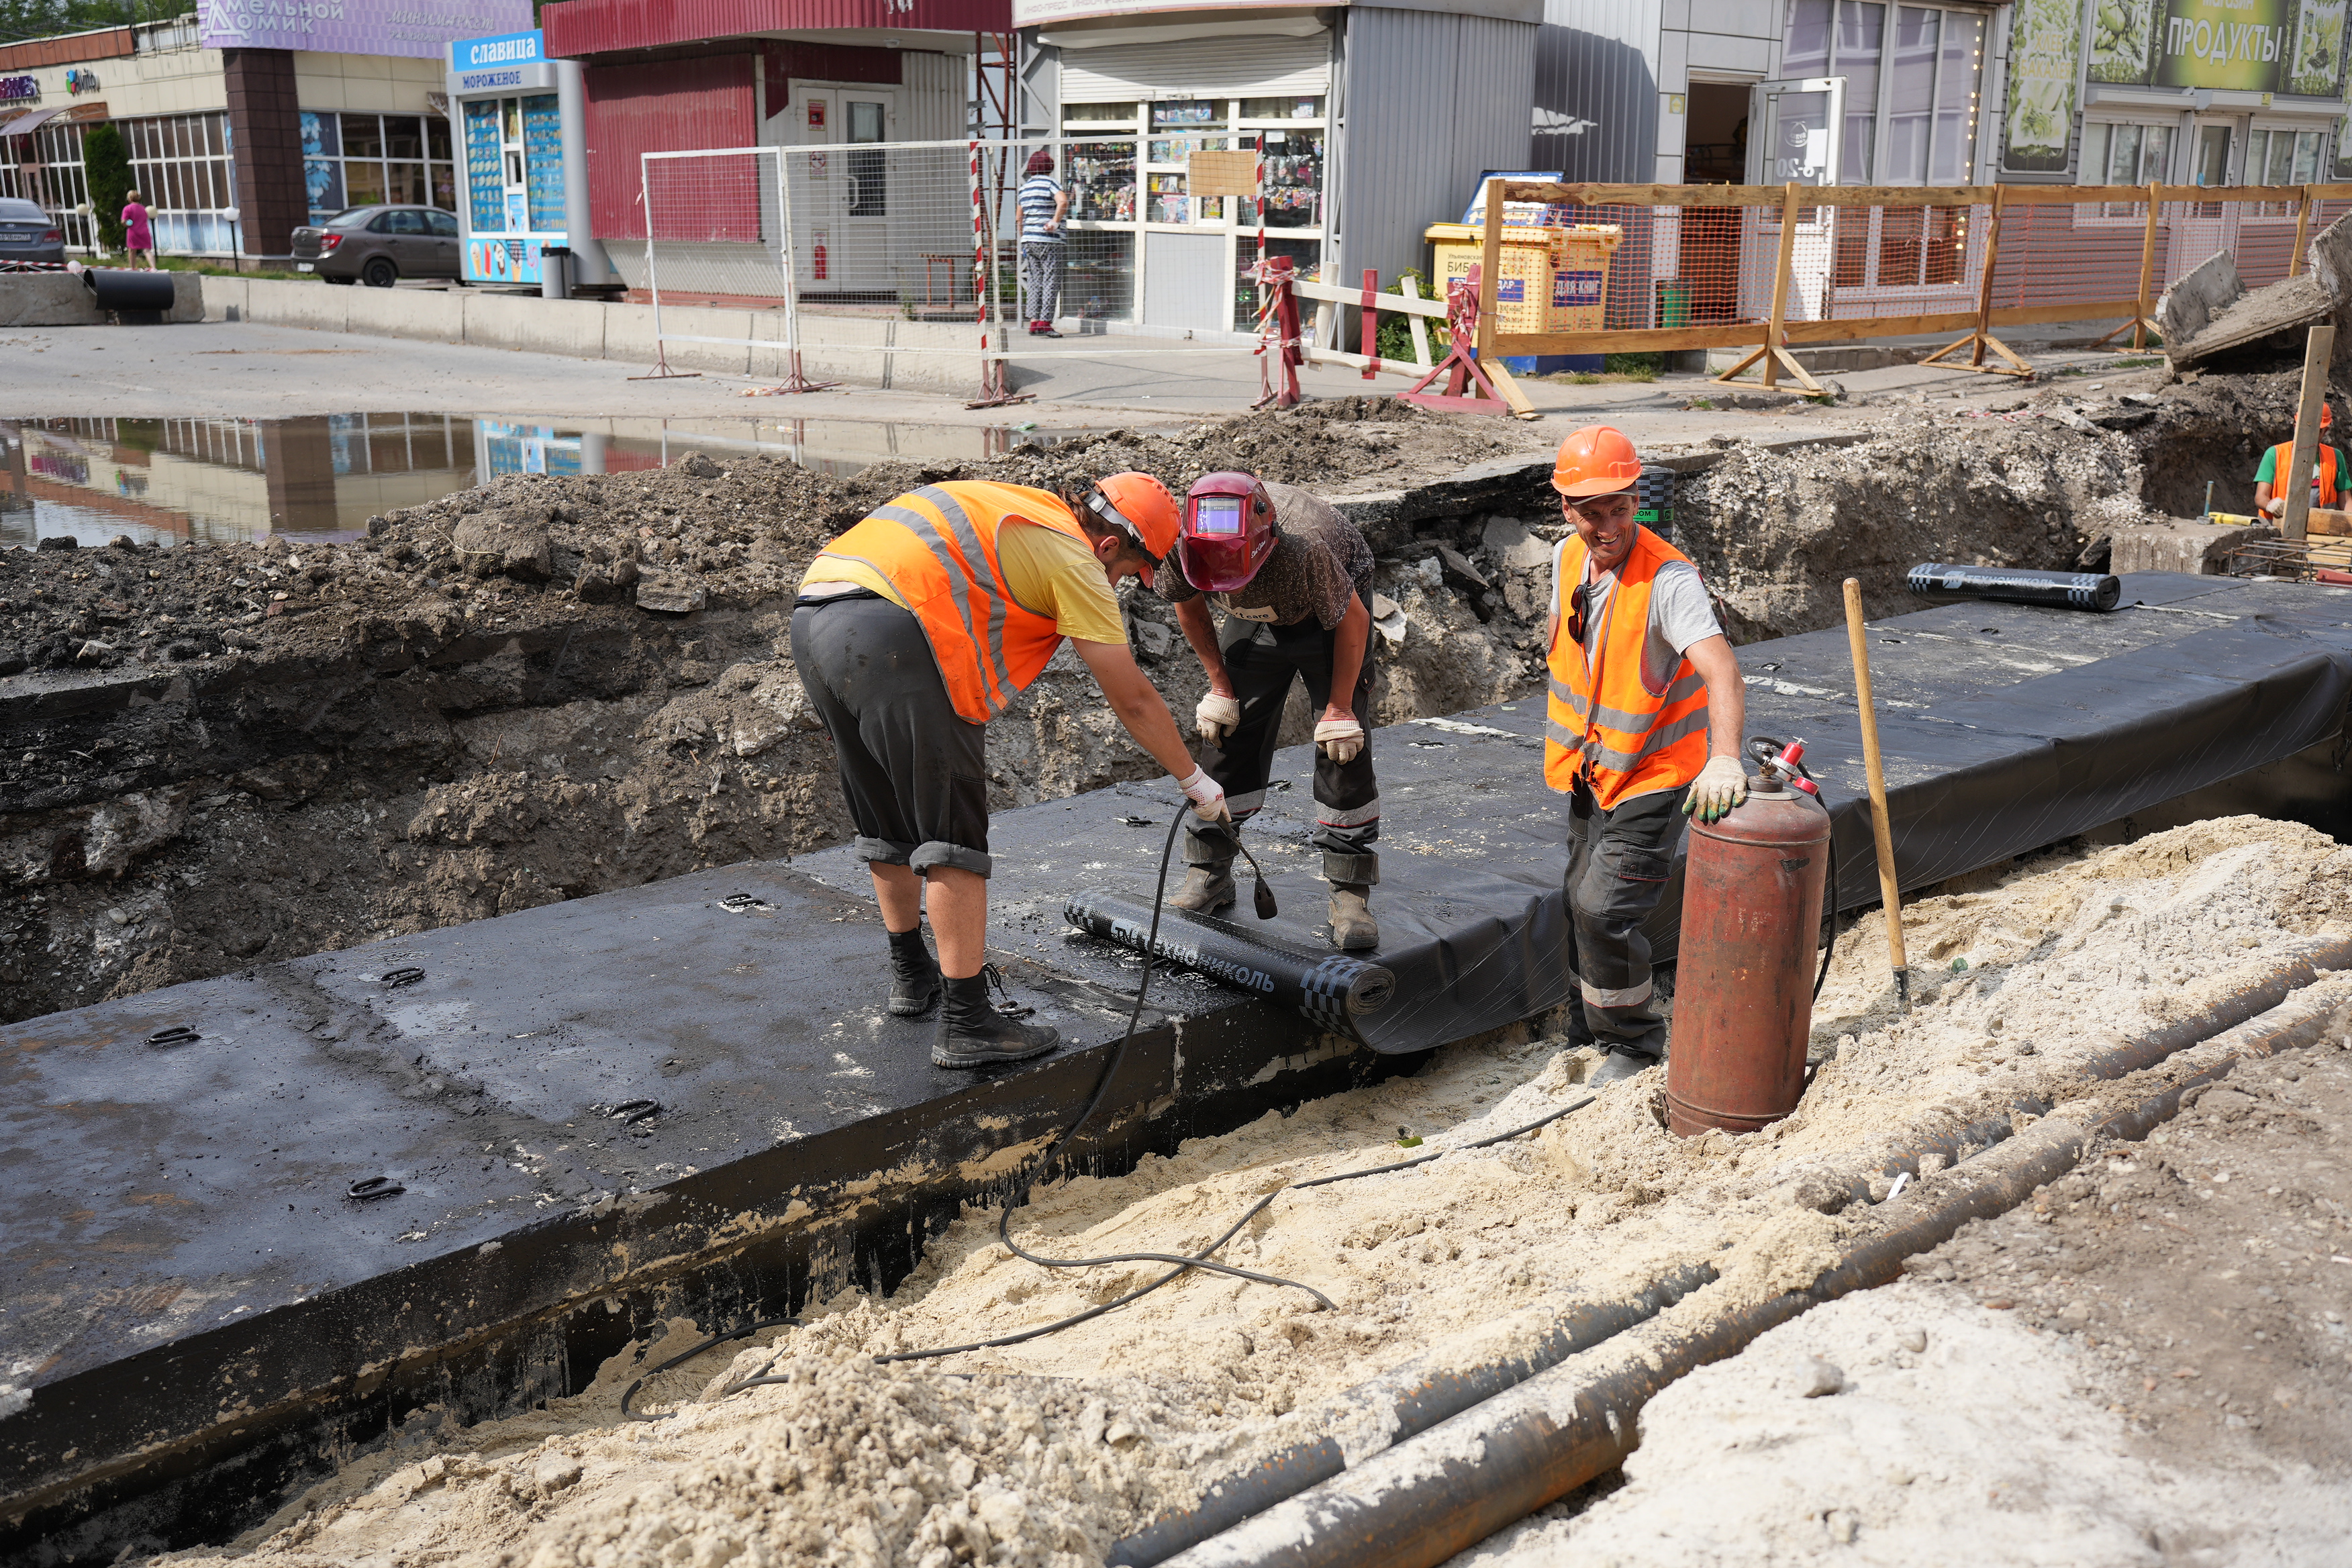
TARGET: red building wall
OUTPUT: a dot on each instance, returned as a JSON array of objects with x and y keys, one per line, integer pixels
[{"x": 665, "y": 105}]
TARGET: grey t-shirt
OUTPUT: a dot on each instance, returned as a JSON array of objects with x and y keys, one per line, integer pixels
[{"x": 1680, "y": 615}]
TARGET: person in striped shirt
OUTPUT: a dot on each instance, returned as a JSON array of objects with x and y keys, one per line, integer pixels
[{"x": 1043, "y": 203}]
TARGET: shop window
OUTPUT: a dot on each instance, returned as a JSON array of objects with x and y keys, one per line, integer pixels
[
  {"x": 356, "y": 160},
  {"x": 1293, "y": 179},
  {"x": 179, "y": 163},
  {"x": 1910, "y": 101},
  {"x": 1098, "y": 114},
  {"x": 2124, "y": 154},
  {"x": 2280, "y": 156},
  {"x": 1101, "y": 178},
  {"x": 1187, "y": 112},
  {"x": 1300, "y": 108}
]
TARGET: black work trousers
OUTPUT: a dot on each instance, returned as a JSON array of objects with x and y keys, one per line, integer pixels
[
  {"x": 1262, "y": 661},
  {"x": 1618, "y": 862}
]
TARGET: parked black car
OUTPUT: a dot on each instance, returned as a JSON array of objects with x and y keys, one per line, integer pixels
[
  {"x": 28, "y": 234},
  {"x": 379, "y": 246}
]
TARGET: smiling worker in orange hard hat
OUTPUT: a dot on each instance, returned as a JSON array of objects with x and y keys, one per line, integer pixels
[{"x": 1646, "y": 717}]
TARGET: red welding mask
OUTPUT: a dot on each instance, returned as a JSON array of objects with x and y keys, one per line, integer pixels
[{"x": 1228, "y": 531}]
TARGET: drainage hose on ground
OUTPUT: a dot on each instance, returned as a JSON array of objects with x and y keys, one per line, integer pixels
[{"x": 1423, "y": 1500}]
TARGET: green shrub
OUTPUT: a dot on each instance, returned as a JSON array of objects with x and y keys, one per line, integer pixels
[
  {"x": 1394, "y": 340},
  {"x": 106, "y": 161}
]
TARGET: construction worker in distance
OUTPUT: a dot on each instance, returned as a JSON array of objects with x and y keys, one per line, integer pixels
[
  {"x": 1294, "y": 578},
  {"x": 1644, "y": 726},
  {"x": 915, "y": 628},
  {"x": 2327, "y": 471}
]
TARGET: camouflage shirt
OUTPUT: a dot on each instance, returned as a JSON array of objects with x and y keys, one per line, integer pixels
[{"x": 1319, "y": 562}]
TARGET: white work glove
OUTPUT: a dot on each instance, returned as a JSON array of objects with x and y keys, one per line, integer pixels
[
  {"x": 1217, "y": 717},
  {"x": 1207, "y": 795},
  {"x": 2275, "y": 506},
  {"x": 1340, "y": 738},
  {"x": 1720, "y": 785}
]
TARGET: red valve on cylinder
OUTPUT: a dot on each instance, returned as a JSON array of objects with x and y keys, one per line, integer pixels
[{"x": 1752, "y": 890}]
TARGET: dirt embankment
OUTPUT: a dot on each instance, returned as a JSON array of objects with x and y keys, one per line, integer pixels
[{"x": 547, "y": 688}]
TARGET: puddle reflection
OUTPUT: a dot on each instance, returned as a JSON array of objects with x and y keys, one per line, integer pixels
[{"x": 170, "y": 482}]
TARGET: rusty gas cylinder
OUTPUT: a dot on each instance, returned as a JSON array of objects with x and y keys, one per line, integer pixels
[{"x": 1752, "y": 889}]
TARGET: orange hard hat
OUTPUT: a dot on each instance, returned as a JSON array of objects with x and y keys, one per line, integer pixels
[
  {"x": 1139, "y": 506},
  {"x": 1597, "y": 460}
]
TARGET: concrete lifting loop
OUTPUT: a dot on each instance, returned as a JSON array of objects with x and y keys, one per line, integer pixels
[{"x": 1430, "y": 1491}]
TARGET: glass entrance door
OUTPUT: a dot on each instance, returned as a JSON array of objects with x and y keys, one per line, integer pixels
[{"x": 1796, "y": 124}]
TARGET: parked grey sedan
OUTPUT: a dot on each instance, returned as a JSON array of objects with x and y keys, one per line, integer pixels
[
  {"x": 379, "y": 246},
  {"x": 28, "y": 234}
]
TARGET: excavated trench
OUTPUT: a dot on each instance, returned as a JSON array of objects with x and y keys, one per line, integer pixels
[{"x": 547, "y": 688}]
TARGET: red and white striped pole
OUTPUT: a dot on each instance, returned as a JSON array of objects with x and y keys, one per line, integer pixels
[{"x": 983, "y": 293}]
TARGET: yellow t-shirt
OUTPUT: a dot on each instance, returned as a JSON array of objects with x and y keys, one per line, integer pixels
[{"x": 1048, "y": 572}]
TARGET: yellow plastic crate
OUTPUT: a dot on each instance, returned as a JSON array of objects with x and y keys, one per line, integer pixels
[{"x": 1554, "y": 280}]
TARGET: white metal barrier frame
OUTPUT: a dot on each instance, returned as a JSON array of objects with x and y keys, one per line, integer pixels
[{"x": 767, "y": 223}]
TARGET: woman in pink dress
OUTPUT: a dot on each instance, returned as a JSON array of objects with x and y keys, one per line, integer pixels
[{"x": 137, "y": 237}]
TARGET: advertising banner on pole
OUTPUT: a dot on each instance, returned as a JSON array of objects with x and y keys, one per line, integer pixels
[{"x": 2045, "y": 42}]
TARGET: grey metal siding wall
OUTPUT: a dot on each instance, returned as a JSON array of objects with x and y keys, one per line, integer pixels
[
  {"x": 1431, "y": 98},
  {"x": 1596, "y": 90}
]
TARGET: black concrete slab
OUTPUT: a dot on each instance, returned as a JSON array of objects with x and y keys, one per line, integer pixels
[{"x": 686, "y": 1099}]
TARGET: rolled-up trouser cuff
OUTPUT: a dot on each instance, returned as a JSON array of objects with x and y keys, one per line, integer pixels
[
  {"x": 882, "y": 850},
  {"x": 1365, "y": 868},
  {"x": 1209, "y": 843},
  {"x": 939, "y": 852}
]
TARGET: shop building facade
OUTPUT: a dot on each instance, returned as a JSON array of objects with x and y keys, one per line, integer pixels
[
  {"x": 1375, "y": 119},
  {"x": 761, "y": 73},
  {"x": 236, "y": 139}
]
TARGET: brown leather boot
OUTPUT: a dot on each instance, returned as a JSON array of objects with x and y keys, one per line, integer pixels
[
  {"x": 1352, "y": 925},
  {"x": 1206, "y": 889}
]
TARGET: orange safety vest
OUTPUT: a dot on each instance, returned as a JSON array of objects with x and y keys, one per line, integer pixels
[
  {"x": 1604, "y": 723},
  {"x": 2323, "y": 472},
  {"x": 937, "y": 546}
]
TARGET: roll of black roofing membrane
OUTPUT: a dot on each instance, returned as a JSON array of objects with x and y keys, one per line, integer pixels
[
  {"x": 1329, "y": 989},
  {"x": 118, "y": 289},
  {"x": 2017, "y": 585}
]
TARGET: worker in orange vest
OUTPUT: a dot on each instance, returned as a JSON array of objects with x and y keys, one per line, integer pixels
[
  {"x": 2326, "y": 471},
  {"x": 1645, "y": 715},
  {"x": 912, "y": 631}
]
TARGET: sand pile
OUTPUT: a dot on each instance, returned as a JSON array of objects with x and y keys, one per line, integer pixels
[
  {"x": 2061, "y": 954},
  {"x": 1957, "y": 1436}
]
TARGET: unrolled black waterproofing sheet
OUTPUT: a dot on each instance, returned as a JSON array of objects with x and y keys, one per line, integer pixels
[{"x": 2004, "y": 728}]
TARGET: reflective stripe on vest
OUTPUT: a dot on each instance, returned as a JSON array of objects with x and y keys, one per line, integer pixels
[
  {"x": 2324, "y": 490},
  {"x": 1625, "y": 738},
  {"x": 937, "y": 546}
]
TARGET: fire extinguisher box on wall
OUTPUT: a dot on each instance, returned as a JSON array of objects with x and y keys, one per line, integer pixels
[{"x": 520, "y": 124}]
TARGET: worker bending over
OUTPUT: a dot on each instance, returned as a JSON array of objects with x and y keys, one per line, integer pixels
[
  {"x": 1646, "y": 717},
  {"x": 915, "y": 628},
  {"x": 1294, "y": 578},
  {"x": 2327, "y": 474}
]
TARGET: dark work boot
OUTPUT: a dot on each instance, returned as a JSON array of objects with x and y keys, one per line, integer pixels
[
  {"x": 973, "y": 1033},
  {"x": 1618, "y": 1066},
  {"x": 1207, "y": 888},
  {"x": 1352, "y": 925},
  {"x": 914, "y": 974}
]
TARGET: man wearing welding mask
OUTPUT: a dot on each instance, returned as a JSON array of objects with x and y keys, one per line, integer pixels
[
  {"x": 1645, "y": 714},
  {"x": 1294, "y": 578}
]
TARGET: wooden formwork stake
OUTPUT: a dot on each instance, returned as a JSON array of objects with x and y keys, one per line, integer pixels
[
  {"x": 1981, "y": 339},
  {"x": 2143, "y": 319},
  {"x": 2302, "y": 234},
  {"x": 2317, "y": 349},
  {"x": 1774, "y": 354},
  {"x": 1882, "y": 832}
]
